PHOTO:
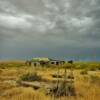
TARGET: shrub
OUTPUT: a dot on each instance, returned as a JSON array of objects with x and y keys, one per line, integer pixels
[
  {"x": 1, "y": 71},
  {"x": 81, "y": 66},
  {"x": 93, "y": 67},
  {"x": 84, "y": 72},
  {"x": 95, "y": 79},
  {"x": 70, "y": 77},
  {"x": 30, "y": 77},
  {"x": 2, "y": 66},
  {"x": 98, "y": 68},
  {"x": 56, "y": 76}
]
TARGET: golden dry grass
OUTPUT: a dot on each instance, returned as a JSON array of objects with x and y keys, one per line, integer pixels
[{"x": 85, "y": 90}]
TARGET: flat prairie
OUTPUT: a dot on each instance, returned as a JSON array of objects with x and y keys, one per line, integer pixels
[{"x": 86, "y": 81}]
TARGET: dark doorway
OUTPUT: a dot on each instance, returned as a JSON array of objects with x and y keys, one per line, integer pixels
[
  {"x": 57, "y": 63},
  {"x": 35, "y": 64}
]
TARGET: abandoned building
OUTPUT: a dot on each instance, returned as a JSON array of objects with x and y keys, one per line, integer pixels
[
  {"x": 40, "y": 61},
  {"x": 57, "y": 62},
  {"x": 45, "y": 61}
]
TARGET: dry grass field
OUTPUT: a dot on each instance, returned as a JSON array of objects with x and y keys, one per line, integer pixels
[{"x": 86, "y": 81}]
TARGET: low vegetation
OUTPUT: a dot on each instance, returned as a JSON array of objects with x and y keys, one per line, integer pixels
[
  {"x": 84, "y": 72},
  {"x": 30, "y": 77},
  {"x": 86, "y": 78},
  {"x": 95, "y": 80}
]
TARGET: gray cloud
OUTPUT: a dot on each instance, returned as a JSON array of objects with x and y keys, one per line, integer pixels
[{"x": 49, "y": 27}]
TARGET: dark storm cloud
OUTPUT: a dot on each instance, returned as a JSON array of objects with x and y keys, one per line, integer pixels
[{"x": 49, "y": 27}]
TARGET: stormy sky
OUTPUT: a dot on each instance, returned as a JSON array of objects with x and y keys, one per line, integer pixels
[{"x": 68, "y": 29}]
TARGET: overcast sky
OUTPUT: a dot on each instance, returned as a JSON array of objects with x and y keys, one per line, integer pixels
[{"x": 68, "y": 29}]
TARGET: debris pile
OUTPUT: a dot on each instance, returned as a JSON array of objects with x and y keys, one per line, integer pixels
[{"x": 64, "y": 87}]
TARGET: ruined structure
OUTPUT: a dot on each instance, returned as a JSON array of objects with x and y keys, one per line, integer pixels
[{"x": 44, "y": 61}]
